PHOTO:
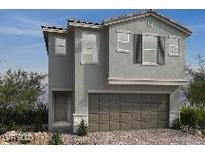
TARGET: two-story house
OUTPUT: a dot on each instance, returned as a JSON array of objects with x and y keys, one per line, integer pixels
[{"x": 117, "y": 75}]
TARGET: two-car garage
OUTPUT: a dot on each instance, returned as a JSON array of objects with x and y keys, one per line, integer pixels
[{"x": 118, "y": 111}]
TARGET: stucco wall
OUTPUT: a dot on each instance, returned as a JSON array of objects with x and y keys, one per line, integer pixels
[
  {"x": 93, "y": 77},
  {"x": 61, "y": 66},
  {"x": 119, "y": 62},
  {"x": 67, "y": 72},
  {"x": 60, "y": 71}
]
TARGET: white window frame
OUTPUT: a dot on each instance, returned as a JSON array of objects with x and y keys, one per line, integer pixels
[
  {"x": 143, "y": 62},
  {"x": 121, "y": 41},
  {"x": 65, "y": 46},
  {"x": 171, "y": 45},
  {"x": 97, "y": 47}
]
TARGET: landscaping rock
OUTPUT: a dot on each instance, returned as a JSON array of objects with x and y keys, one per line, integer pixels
[
  {"x": 132, "y": 137},
  {"x": 135, "y": 137},
  {"x": 198, "y": 133}
]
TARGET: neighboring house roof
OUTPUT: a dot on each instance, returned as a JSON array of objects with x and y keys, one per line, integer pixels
[{"x": 111, "y": 21}]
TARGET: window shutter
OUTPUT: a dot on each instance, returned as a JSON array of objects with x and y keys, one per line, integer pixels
[
  {"x": 138, "y": 48},
  {"x": 161, "y": 51}
]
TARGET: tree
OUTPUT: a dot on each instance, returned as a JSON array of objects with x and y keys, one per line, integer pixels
[
  {"x": 196, "y": 87},
  {"x": 20, "y": 90}
]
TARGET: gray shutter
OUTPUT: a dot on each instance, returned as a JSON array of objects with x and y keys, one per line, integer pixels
[
  {"x": 161, "y": 50},
  {"x": 138, "y": 48}
]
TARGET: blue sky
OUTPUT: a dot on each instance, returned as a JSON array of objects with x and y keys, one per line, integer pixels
[{"x": 22, "y": 44}]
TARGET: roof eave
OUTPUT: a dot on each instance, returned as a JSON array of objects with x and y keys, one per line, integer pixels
[
  {"x": 45, "y": 36},
  {"x": 84, "y": 25}
]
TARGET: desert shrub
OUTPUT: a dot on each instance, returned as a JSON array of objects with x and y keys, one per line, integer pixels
[
  {"x": 40, "y": 115},
  {"x": 188, "y": 116},
  {"x": 195, "y": 89},
  {"x": 56, "y": 139},
  {"x": 176, "y": 124},
  {"x": 12, "y": 125},
  {"x": 7, "y": 111},
  {"x": 201, "y": 117},
  {"x": 82, "y": 128},
  {"x": 20, "y": 91},
  {"x": 3, "y": 129}
]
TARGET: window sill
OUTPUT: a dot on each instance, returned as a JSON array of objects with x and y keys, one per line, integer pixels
[
  {"x": 123, "y": 51},
  {"x": 173, "y": 55},
  {"x": 59, "y": 55},
  {"x": 149, "y": 64},
  {"x": 89, "y": 63}
]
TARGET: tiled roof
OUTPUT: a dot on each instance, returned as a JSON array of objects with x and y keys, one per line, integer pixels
[
  {"x": 124, "y": 16},
  {"x": 83, "y": 22},
  {"x": 146, "y": 13},
  {"x": 54, "y": 28},
  {"x": 119, "y": 19}
]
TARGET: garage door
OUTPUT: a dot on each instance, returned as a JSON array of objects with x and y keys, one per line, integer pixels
[{"x": 127, "y": 111}]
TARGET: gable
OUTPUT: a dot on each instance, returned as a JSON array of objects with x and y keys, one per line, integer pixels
[{"x": 150, "y": 13}]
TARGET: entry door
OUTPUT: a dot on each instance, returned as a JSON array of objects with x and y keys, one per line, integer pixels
[{"x": 61, "y": 106}]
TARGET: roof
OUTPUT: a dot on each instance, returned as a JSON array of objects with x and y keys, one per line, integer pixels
[
  {"x": 111, "y": 21},
  {"x": 80, "y": 23},
  {"x": 54, "y": 29},
  {"x": 143, "y": 14},
  {"x": 119, "y": 19}
]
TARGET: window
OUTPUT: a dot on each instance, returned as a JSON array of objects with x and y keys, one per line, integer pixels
[
  {"x": 60, "y": 46},
  {"x": 173, "y": 46},
  {"x": 90, "y": 47},
  {"x": 149, "y": 49},
  {"x": 149, "y": 53},
  {"x": 123, "y": 41}
]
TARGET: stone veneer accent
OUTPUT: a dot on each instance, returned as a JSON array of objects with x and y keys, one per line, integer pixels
[{"x": 77, "y": 119}]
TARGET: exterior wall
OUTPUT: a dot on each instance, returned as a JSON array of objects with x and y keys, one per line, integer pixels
[
  {"x": 60, "y": 72},
  {"x": 61, "y": 66},
  {"x": 67, "y": 72},
  {"x": 92, "y": 78},
  {"x": 119, "y": 62}
]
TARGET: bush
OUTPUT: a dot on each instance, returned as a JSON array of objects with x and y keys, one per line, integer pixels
[
  {"x": 188, "y": 116},
  {"x": 176, "y": 124},
  {"x": 82, "y": 128},
  {"x": 21, "y": 99},
  {"x": 12, "y": 125},
  {"x": 3, "y": 129},
  {"x": 201, "y": 118},
  {"x": 56, "y": 139},
  {"x": 34, "y": 116}
]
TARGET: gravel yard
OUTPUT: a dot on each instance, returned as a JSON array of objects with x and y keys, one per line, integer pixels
[{"x": 135, "y": 137}]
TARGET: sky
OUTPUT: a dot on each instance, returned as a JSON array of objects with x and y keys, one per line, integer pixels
[{"x": 22, "y": 44}]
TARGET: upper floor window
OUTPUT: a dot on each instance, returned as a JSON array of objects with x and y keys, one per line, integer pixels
[
  {"x": 149, "y": 49},
  {"x": 123, "y": 41},
  {"x": 149, "y": 53},
  {"x": 173, "y": 46},
  {"x": 60, "y": 46},
  {"x": 90, "y": 47}
]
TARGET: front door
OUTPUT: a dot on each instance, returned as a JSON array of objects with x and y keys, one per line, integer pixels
[{"x": 62, "y": 106}]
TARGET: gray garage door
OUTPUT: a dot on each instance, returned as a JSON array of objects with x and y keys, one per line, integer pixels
[{"x": 128, "y": 111}]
